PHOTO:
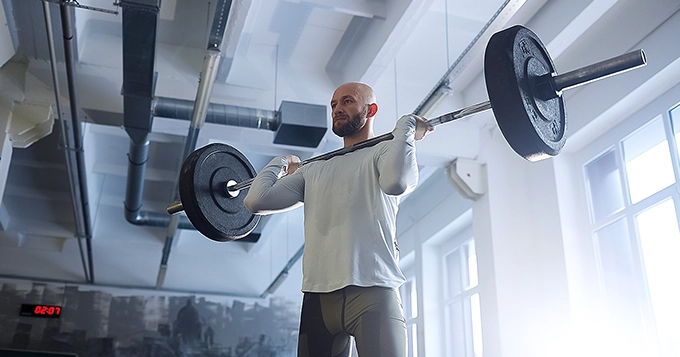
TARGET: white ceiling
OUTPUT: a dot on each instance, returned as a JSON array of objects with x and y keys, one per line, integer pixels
[{"x": 291, "y": 50}]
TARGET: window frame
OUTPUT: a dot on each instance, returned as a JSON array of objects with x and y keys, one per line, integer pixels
[
  {"x": 613, "y": 141},
  {"x": 410, "y": 273},
  {"x": 455, "y": 245}
]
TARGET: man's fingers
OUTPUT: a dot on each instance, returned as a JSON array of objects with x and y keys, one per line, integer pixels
[
  {"x": 422, "y": 128},
  {"x": 293, "y": 163}
]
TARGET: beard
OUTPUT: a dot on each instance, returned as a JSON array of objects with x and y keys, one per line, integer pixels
[{"x": 352, "y": 125}]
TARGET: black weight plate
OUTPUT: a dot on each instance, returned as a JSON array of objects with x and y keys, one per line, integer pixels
[
  {"x": 535, "y": 128},
  {"x": 202, "y": 189}
]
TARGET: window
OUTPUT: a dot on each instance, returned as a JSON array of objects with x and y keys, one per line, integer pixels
[
  {"x": 461, "y": 301},
  {"x": 409, "y": 297},
  {"x": 633, "y": 197}
]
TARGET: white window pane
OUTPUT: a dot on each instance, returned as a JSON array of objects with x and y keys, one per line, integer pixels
[
  {"x": 456, "y": 324},
  {"x": 648, "y": 161},
  {"x": 414, "y": 299},
  {"x": 467, "y": 311},
  {"x": 454, "y": 275},
  {"x": 413, "y": 341},
  {"x": 618, "y": 278},
  {"x": 660, "y": 240},
  {"x": 409, "y": 295},
  {"x": 604, "y": 183},
  {"x": 675, "y": 121},
  {"x": 476, "y": 313},
  {"x": 471, "y": 264}
]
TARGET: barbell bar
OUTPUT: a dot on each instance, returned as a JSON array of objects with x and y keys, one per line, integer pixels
[
  {"x": 232, "y": 188},
  {"x": 525, "y": 94},
  {"x": 547, "y": 87}
]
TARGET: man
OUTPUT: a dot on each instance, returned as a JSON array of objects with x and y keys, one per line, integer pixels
[{"x": 351, "y": 260}]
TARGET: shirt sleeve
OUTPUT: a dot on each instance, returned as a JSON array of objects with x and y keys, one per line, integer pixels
[
  {"x": 397, "y": 165},
  {"x": 270, "y": 194}
]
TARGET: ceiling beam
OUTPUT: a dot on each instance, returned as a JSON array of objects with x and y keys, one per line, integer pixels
[{"x": 370, "y": 44}]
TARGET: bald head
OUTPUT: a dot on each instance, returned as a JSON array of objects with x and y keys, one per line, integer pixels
[
  {"x": 362, "y": 91},
  {"x": 353, "y": 107}
]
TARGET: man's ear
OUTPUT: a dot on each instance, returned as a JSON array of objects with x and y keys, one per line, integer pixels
[{"x": 372, "y": 110}]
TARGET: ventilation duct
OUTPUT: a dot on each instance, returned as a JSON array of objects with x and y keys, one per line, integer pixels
[
  {"x": 217, "y": 113},
  {"x": 295, "y": 124},
  {"x": 140, "y": 18}
]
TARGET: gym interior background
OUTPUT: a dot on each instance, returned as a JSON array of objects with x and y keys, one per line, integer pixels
[{"x": 573, "y": 255}]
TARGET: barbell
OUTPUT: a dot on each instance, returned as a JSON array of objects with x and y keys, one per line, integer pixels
[{"x": 525, "y": 94}]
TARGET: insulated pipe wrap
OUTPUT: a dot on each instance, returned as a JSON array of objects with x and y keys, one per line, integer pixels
[{"x": 217, "y": 113}]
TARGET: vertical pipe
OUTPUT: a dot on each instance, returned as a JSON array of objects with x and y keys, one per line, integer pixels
[
  {"x": 205, "y": 85},
  {"x": 65, "y": 138},
  {"x": 69, "y": 56}
]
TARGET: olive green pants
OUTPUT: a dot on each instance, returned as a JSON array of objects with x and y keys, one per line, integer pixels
[{"x": 373, "y": 315}]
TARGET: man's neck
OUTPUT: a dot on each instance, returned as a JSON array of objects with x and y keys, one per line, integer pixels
[{"x": 359, "y": 137}]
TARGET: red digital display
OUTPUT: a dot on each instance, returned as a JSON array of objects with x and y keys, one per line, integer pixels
[{"x": 40, "y": 310}]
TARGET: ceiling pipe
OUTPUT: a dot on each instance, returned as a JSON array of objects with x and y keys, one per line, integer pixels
[
  {"x": 66, "y": 142},
  {"x": 84, "y": 202},
  {"x": 140, "y": 107},
  {"x": 217, "y": 113},
  {"x": 294, "y": 124},
  {"x": 139, "y": 39},
  {"x": 137, "y": 159},
  {"x": 138, "y": 88},
  {"x": 205, "y": 87}
]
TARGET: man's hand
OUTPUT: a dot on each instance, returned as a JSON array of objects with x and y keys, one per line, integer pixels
[
  {"x": 293, "y": 162},
  {"x": 422, "y": 128}
]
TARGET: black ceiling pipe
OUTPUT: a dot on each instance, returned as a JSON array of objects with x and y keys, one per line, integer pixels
[
  {"x": 66, "y": 137},
  {"x": 294, "y": 124},
  {"x": 217, "y": 113},
  {"x": 140, "y": 18},
  {"x": 138, "y": 156},
  {"x": 69, "y": 56}
]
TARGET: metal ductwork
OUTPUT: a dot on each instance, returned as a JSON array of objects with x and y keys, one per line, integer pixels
[
  {"x": 295, "y": 124},
  {"x": 217, "y": 113},
  {"x": 138, "y": 156},
  {"x": 140, "y": 18}
]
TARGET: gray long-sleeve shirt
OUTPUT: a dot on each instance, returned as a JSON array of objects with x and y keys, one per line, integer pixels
[{"x": 350, "y": 209}]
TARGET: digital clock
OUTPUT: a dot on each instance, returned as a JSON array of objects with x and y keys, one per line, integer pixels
[{"x": 52, "y": 311}]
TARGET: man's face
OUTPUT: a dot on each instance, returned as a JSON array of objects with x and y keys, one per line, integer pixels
[{"x": 349, "y": 111}]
